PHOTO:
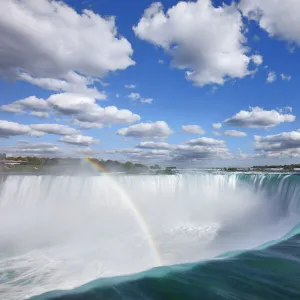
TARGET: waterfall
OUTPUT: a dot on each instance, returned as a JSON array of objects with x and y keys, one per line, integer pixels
[{"x": 58, "y": 232}]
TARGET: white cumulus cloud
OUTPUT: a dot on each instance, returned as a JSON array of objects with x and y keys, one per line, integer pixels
[
  {"x": 155, "y": 145},
  {"x": 206, "y": 41},
  {"x": 201, "y": 152},
  {"x": 137, "y": 96},
  {"x": 23, "y": 105},
  {"x": 79, "y": 140},
  {"x": 235, "y": 133},
  {"x": 159, "y": 129},
  {"x": 54, "y": 129},
  {"x": 280, "y": 19},
  {"x": 49, "y": 44},
  {"x": 257, "y": 59},
  {"x": 8, "y": 129},
  {"x": 257, "y": 117},
  {"x": 285, "y": 144},
  {"x": 85, "y": 109},
  {"x": 192, "y": 129},
  {"x": 71, "y": 82},
  {"x": 130, "y": 86},
  {"x": 28, "y": 148},
  {"x": 204, "y": 141},
  {"x": 134, "y": 96},
  {"x": 40, "y": 114},
  {"x": 216, "y": 125},
  {"x": 271, "y": 77},
  {"x": 285, "y": 77},
  {"x": 147, "y": 100}
]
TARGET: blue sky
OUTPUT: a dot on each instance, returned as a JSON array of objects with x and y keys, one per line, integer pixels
[{"x": 206, "y": 62}]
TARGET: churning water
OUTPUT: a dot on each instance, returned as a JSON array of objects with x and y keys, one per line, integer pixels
[{"x": 60, "y": 232}]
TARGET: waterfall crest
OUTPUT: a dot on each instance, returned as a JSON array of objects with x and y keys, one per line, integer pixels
[{"x": 59, "y": 232}]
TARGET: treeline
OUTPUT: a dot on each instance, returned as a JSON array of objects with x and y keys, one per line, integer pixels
[
  {"x": 284, "y": 167},
  {"x": 34, "y": 160},
  {"x": 130, "y": 168},
  {"x": 230, "y": 169},
  {"x": 116, "y": 166},
  {"x": 104, "y": 165}
]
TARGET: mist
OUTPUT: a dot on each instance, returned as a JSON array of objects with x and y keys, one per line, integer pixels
[{"x": 59, "y": 232}]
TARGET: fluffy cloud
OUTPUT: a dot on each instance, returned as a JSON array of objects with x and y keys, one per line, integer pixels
[
  {"x": 159, "y": 129},
  {"x": 156, "y": 155},
  {"x": 39, "y": 148},
  {"x": 40, "y": 114},
  {"x": 85, "y": 109},
  {"x": 257, "y": 59},
  {"x": 155, "y": 145},
  {"x": 285, "y": 77},
  {"x": 271, "y": 77},
  {"x": 281, "y": 141},
  {"x": 71, "y": 82},
  {"x": 147, "y": 101},
  {"x": 200, "y": 149},
  {"x": 8, "y": 129},
  {"x": 279, "y": 18},
  {"x": 141, "y": 156},
  {"x": 137, "y": 96},
  {"x": 30, "y": 103},
  {"x": 256, "y": 117},
  {"x": 79, "y": 140},
  {"x": 216, "y": 125},
  {"x": 206, "y": 41},
  {"x": 27, "y": 148},
  {"x": 86, "y": 125},
  {"x": 235, "y": 133},
  {"x": 192, "y": 129},
  {"x": 134, "y": 96},
  {"x": 282, "y": 144},
  {"x": 126, "y": 151},
  {"x": 188, "y": 152},
  {"x": 12, "y": 108},
  {"x": 130, "y": 86},
  {"x": 204, "y": 141},
  {"x": 42, "y": 46},
  {"x": 54, "y": 129}
]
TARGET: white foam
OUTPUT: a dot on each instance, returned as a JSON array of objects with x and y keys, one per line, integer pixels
[{"x": 59, "y": 232}]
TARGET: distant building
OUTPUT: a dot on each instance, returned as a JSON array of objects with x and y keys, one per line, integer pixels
[
  {"x": 2, "y": 156},
  {"x": 10, "y": 163}
]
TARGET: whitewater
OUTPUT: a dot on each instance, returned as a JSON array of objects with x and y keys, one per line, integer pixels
[{"x": 61, "y": 232}]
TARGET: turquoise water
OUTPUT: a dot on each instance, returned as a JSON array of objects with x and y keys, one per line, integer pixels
[
  {"x": 272, "y": 273},
  {"x": 253, "y": 253}
]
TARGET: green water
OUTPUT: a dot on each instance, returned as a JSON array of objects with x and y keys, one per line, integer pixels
[{"x": 271, "y": 273}]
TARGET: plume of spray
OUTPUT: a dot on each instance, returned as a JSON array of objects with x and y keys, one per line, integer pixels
[{"x": 59, "y": 232}]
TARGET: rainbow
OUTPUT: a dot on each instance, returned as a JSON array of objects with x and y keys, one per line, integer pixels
[{"x": 129, "y": 203}]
